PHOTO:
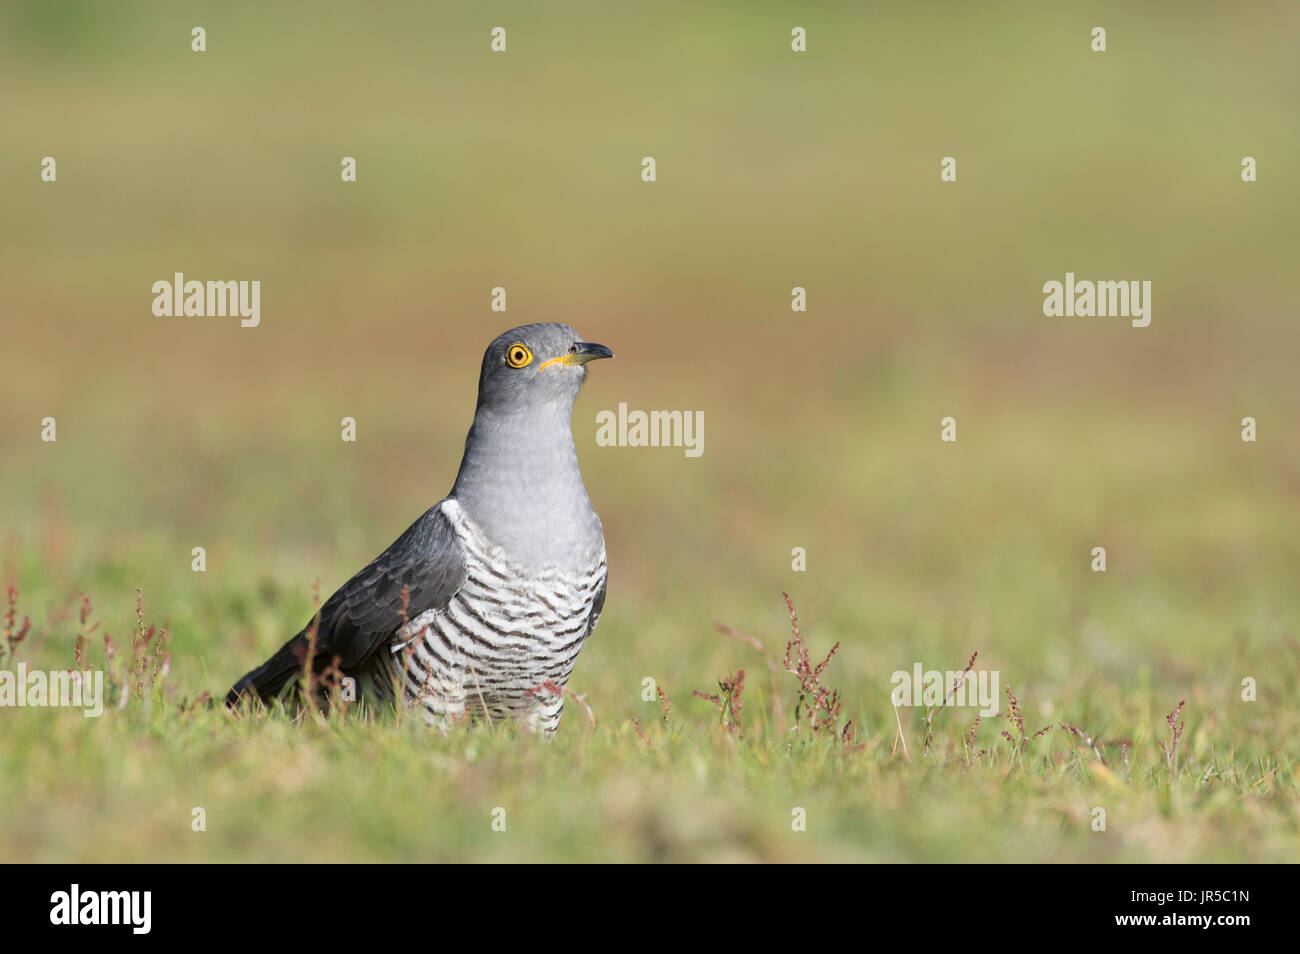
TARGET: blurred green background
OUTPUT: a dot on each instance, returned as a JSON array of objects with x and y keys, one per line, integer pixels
[{"x": 775, "y": 169}]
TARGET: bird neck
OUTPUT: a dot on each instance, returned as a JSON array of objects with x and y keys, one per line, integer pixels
[{"x": 519, "y": 482}]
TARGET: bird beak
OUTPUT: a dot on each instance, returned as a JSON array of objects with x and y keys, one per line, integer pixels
[{"x": 587, "y": 351}]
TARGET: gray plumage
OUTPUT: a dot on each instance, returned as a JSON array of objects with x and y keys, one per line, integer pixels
[{"x": 505, "y": 576}]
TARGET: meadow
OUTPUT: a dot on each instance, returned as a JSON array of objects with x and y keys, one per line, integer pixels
[{"x": 776, "y": 169}]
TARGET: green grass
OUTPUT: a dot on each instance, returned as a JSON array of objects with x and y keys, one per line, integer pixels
[{"x": 649, "y": 781}]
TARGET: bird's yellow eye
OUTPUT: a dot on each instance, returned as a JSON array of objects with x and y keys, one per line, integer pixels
[{"x": 518, "y": 355}]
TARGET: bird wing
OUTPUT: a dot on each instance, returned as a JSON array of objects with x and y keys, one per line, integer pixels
[
  {"x": 597, "y": 605},
  {"x": 428, "y": 560}
]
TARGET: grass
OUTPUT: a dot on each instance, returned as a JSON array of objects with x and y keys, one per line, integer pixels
[{"x": 669, "y": 779}]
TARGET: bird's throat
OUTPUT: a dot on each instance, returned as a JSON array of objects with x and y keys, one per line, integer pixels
[{"x": 519, "y": 482}]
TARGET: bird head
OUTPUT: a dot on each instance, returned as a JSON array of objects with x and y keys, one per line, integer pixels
[{"x": 535, "y": 364}]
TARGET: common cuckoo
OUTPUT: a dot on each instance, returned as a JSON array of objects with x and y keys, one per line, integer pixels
[{"x": 504, "y": 577}]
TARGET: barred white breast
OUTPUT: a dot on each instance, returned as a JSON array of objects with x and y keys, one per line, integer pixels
[{"x": 507, "y": 640}]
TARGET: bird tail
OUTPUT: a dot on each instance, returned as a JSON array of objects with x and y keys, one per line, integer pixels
[{"x": 270, "y": 679}]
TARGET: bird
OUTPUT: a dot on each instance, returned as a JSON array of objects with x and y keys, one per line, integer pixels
[{"x": 480, "y": 608}]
